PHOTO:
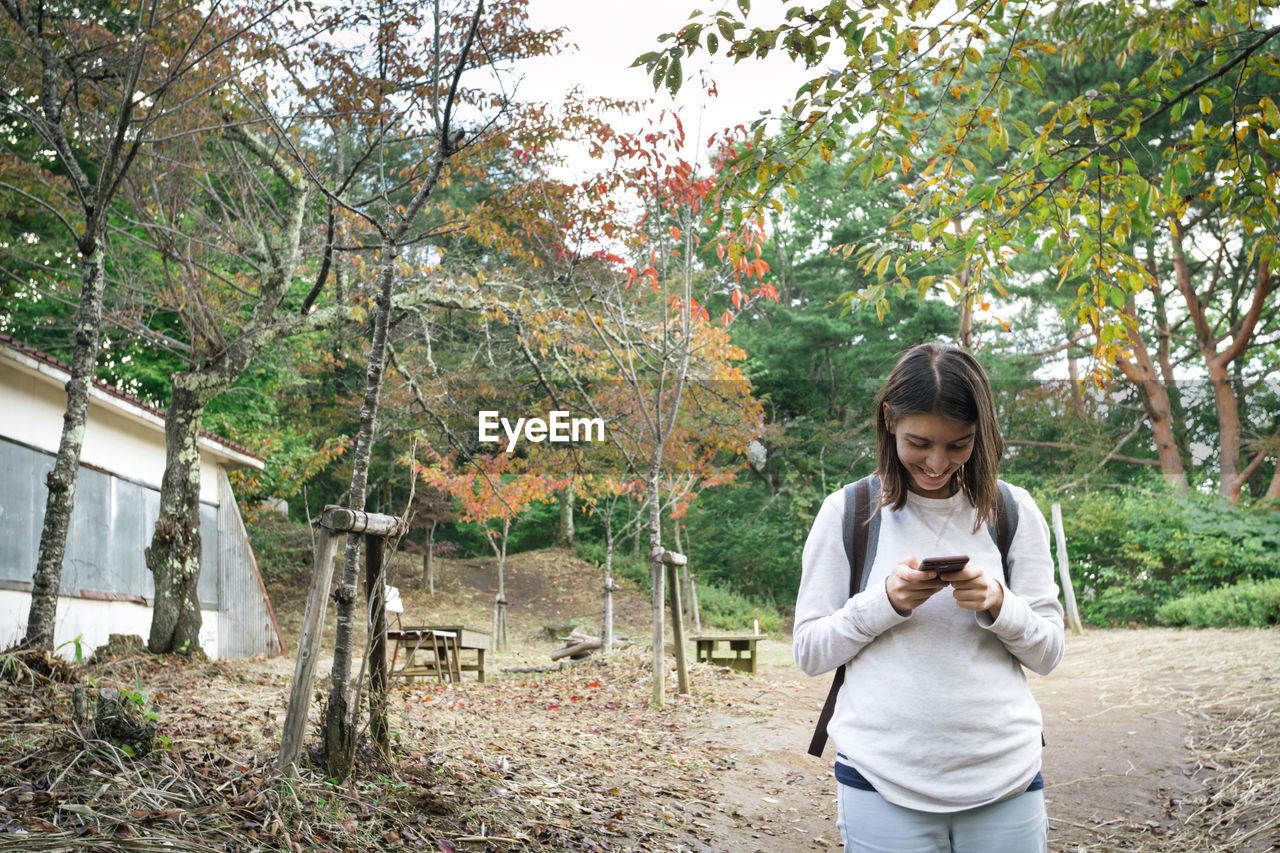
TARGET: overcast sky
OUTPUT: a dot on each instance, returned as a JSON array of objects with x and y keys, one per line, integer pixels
[{"x": 610, "y": 34}]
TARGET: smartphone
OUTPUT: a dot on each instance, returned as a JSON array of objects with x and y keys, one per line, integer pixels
[{"x": 943, "y": 565}]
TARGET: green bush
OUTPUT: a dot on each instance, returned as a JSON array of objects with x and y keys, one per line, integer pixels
[
  {"x": 745, "y": 539},
  {"x": 1130, "y": 553},
  {"x": 725, "y": 610},
  {"x": 721, "y": 609},
  {"x": 280, "y": 546},
  {"x": 1248, "y": 604},
  {"x": 624, "y": 565}
]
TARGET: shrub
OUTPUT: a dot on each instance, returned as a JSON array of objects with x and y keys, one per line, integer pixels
[
  {"x": 720, "y": 608},
  {"x": 725, "y": 610},
  {"x": 1130, "y": 553},
  {"x": 280, "y": 546},
  {"x": 1248, "y": 604},
  {"x": 624, "y": 565}
]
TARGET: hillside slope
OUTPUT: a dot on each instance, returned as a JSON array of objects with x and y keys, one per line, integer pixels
[{"x": 548, "y": 591}]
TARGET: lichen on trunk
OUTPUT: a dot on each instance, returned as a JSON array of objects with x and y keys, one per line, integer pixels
[
  {"x": 61, "y": 481},
  {"x": 174, "y": 555}
]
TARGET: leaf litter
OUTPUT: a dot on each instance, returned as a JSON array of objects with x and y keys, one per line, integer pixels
[{"x": 569, "y": 760}]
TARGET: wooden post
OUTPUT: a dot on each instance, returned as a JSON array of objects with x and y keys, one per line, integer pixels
[
  {"x": 429, "y": 559},
  {"x": 693, "y": 605},
  {"x": 333, "y": 520},
  {"x": 304, "y": 672},
  {"x": 1064, "y": 571},
  {"x": 343, "y": 520},
  {"x": 672, "y": 560},
  {"x": 375, "y": 595}
]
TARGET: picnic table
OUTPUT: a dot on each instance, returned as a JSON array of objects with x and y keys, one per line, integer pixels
[
  {"x": 442, "y": 651},
  {"x": 736, "y": 651}
]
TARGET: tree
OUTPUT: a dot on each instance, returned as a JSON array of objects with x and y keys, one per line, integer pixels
[
  {"x": 492, "y": 488},
  {"x": 648, "y": 319},
  {"x": 92, "y": 84},
  {"x": 923, "y": 97}
]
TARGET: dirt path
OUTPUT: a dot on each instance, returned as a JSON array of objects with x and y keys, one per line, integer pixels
[
  {"x": 1158, "y": 741},
  {"x": 1133, "y": 722}
]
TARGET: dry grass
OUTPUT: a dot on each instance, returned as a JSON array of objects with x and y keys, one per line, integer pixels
[{"x": 1224, "y": 686}]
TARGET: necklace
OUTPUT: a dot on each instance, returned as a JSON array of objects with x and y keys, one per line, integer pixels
[{"x": 946, "y": 524}]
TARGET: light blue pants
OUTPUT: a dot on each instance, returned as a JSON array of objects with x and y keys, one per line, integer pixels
[{"x": 871, "y": 824}]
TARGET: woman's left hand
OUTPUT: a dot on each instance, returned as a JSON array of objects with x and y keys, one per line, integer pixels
[{"x": 973, "y": 589}]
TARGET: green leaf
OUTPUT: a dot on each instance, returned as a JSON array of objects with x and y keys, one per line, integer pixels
[
  {"x": 675, "y": 76},
  {"x": 744, "y": 6},
  {"x": 1180, "y": 175},
  {"x": 1271, "y": 111}
]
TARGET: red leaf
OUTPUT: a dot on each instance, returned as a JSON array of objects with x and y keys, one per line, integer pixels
[{"x": 446, "y": 845}]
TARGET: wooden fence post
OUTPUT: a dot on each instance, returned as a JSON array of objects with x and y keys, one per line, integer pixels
[
  {"x": 333, "y": 520},
  {"x": 1064, "y": 571},
  {"x": 375, "y": 595},
  {"x": 672, "y": 560},
  {"x": 304, "y": 671}
]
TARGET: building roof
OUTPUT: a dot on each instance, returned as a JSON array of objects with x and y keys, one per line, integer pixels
[{"x": 43, "y": 363}]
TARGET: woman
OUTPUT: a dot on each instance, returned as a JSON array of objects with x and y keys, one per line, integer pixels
[{"x": 938, "y": 737}]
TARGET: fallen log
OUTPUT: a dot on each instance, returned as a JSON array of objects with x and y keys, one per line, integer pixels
[{"x": 580, "y": 648}]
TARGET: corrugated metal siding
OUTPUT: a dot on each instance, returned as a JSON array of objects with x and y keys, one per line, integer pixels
[
  {"x": 111, "y": 526},
  {"x": 24, "y": 473},
  {"x": 246, "y": 625}
]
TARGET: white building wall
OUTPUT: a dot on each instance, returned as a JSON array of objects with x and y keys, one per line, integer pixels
[
  {"x": 92, "y": 621},
  {"x": 32, "y": 408}
]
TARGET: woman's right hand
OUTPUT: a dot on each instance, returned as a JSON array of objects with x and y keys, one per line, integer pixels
[{"x": 908, "y": 587}]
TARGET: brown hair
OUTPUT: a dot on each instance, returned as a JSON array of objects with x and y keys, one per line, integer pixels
[{"x": 946, "y": 381}]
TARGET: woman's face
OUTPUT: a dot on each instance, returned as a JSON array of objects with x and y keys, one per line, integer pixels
[{"x": 932, "y": 449}]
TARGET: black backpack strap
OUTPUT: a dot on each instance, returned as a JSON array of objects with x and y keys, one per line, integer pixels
[
  {"x": 1006, "y": 526},
  {"x": 860, "y": 530}
]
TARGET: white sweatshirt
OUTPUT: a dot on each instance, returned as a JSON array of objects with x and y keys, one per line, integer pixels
[{"x": 935, "y": 710}]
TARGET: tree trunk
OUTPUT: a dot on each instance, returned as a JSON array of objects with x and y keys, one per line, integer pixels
[
  {"x": 1219, "y": 364},
  {"x": 566, "y": 515},
  {"x": 1073, "y": 376},
  {"x": 374, "y": 593},
  {"x": 657, "y": 577},
  {"x": 1155, "y": 399},
  {"x": 339, "y": 736},
  {"x": 174, "y": 555},
  {"x": 500, "y": 600},
  {"x": 1229, "y": 446},
  {"x": 429, "y": 560},
  {"x": 61, "y": 481},
  {"x": 606, "y": 620}
]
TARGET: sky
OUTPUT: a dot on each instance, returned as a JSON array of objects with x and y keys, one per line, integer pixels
[{"x": 610, "y": 34}]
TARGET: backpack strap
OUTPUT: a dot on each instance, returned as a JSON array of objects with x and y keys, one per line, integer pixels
[
  {"x": 1006, "y": 526},
  {"x": 861, "y": 530}
]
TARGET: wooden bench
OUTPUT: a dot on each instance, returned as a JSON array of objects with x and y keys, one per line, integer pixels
[
  {"x": 426, "y": 653},
  {"x": 469, "y": 647},
  {"x": 736, "y": 651}
]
